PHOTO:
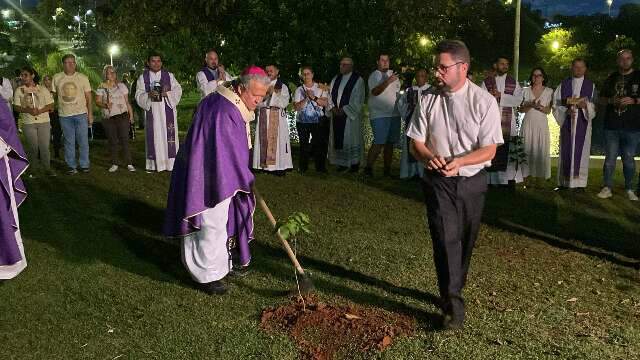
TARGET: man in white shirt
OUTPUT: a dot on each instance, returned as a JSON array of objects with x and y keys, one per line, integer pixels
[
  {"x": 212, "y": 74},
  {"x": 454, "y": 133},
  {"x": 384, "y": 86}
]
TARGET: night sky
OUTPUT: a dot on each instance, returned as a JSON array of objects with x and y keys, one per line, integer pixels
[
  {"x": 577, "y": 7},
  {"x": 548, "y": 7}
]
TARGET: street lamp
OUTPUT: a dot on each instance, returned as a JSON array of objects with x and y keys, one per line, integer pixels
[
  {"x": 6, "y": 13},
  {"x": 113, "y": 50},
  {"x": 609, "y": 3},
  {"x": 555, "y": 45},
  {"x": 424, "y": 41}
]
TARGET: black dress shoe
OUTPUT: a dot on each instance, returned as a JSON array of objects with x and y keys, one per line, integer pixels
[
  {"x": 341, "y": 168},
  {"x": 368, "y": 172},
  {"x": 240, "y": 271},
  {"x": 354, "y": 168},
  {"x": 214, "y": 288}
]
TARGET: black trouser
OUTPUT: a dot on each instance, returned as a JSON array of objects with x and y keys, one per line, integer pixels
[
  {"x": 56, "y": 133},
  {"x": 313, "y": 141},
  {"x": 117, "y": 129},
  {"x": 454, "y": 211}
]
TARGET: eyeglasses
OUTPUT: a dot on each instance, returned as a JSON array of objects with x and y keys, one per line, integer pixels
[{"x": 444, "y": 68}]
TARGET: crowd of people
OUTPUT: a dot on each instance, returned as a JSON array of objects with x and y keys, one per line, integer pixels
[{"x": 457, "y": 136}]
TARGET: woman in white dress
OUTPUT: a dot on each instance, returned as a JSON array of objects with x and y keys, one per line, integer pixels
[{"x": 535, "y": 128}]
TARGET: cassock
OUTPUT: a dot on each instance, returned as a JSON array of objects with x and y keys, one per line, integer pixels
[
  {"x": 13, "y": 163},
  {"x": 503, "y": 169},
  {"x": 210, "y": 203},
  {"x": 575, "y": 131},
  {"x": 272, "y": 147},
  {"x": 208, "y": 80},
  {"x": 407, "y": 102},
  {"x": 161, "y": 118},
  {"x": 345, "y": 136}
]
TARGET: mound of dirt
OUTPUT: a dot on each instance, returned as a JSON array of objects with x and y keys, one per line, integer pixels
[{"x": 322, "y": 330}]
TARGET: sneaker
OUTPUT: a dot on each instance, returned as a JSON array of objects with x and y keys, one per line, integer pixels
[
  {"x": 605, "y": 193},
  {"x": 84, "y": 170},
  {"x": 131, "y": 168},
  {"x": 632, "y": 195},
  {"x": 72, "y": 172},
  {"x": 113, "y": 168}
]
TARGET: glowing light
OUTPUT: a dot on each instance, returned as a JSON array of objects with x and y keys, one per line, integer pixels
[
  {"x": 6, "y": 13},
  {"x": 555, "y": 45},
  {"x": 424, "y": 41}
]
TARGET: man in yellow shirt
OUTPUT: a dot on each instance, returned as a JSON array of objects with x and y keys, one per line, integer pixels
[{"x": 75, "y": 110}]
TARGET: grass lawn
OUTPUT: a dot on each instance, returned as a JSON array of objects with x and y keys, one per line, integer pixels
[{"x": 553, "y": 275}]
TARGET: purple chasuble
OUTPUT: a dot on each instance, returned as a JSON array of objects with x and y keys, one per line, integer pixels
[
  {"x": 340, "y": 121},
  {"x": 209, "y": 73},
  {"x": 211, "y": 166},
  {"x": 9, "y": 251},
  {"x": 501, "y": 159},
  {"x": 566, "y": 131},
  {"x": 165, "y": 82}
]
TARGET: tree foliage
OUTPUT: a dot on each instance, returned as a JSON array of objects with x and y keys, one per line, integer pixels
[{"x": 556, "y": 49}]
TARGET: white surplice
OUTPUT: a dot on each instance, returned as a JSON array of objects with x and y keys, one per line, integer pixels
[
  {"x": 352, "y": 150},
  {"x": 162, "y": 160},
  {"x": 560, "y": 114},
  {"x": 280, "y": 101},
  {"x": 510, "y": 101}
]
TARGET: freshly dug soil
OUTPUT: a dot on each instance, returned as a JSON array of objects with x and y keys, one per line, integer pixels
[{"x": 323, "y": 330}]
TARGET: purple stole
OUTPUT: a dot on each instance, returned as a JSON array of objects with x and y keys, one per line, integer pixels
[
  {"x": 340, "y": 122},
  {"x": 501, "y": 159},
  {"x": 9, "y": 251},
  {"x": 208, "y": 74},
  {"x": 165, "y": 82},
  {"x": 566, "y": 132}
]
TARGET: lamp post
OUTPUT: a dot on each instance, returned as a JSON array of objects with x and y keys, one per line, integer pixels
[
  {"x": 609, "y": 3},
  {"x": 113, "y": 50},
  {"x": 516, "y": 41}
]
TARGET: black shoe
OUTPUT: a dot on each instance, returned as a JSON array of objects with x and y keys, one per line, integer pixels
[
  {"x": 240, "y": 271},
  {"x": 450, "y": 322},
  {"x": 84, "y": 170},
  {"x": 214, "y": 288},
  {"x": 387, "y": 172},
  {"x": 368, "y": 172},
  {"x": 341, "y": 169},
  {"x": 354, "y": 168},
  {"x": 280, "y": 173}
]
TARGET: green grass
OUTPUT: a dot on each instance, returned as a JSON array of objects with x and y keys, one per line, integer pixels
[{"x": 102, "y": 282}]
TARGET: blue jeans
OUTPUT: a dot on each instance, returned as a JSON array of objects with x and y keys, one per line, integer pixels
[
  {"x": 616, "y": 141},
  {"x": 386, "y": 130},
  {"x": 75, "y": 128}
]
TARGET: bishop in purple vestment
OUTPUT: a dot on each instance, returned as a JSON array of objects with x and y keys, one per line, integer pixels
[{"x": 210, "y": 203}]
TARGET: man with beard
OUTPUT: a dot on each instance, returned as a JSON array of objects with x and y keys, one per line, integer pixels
[
  {"x": 508, "y": 94},
  {"x": 212, "y": 74},
  {"x": 454, "y": 133}
]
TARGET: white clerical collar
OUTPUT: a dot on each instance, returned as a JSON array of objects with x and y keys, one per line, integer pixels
[
  {"x": 462, "y": 90},
  {"x": 230, "y": 95},
  {"x": 347, "y": 74},
  {"x": 578, "y": 78},
  {"x": 502, "y": 76}
]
